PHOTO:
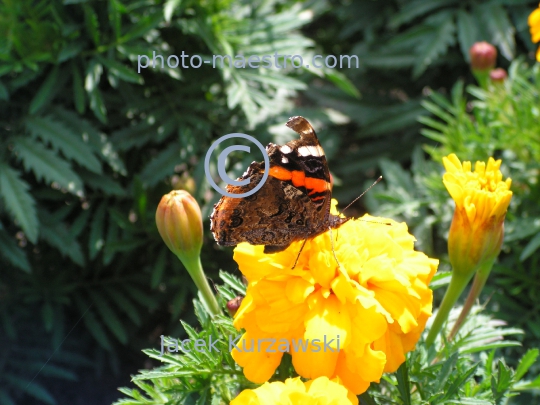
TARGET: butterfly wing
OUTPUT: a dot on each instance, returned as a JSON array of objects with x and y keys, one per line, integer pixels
[{"x": 293, "y": 204}]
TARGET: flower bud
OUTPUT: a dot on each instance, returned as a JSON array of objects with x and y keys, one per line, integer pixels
[
  {"x": 234, "y": 304},
  {"x": 476, "y": 234},
  {"x": 483, "y": 56},
  {"x": 482, "y": 198},
  {"x": 498, "y": 75},
  {"x": 179, "y": 222}
]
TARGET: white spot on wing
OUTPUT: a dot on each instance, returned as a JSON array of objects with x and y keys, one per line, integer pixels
[
  {"x": 285, "y": 149},
  {"x": 310, "y": 151},
  {"x": 284, "y": 160}
]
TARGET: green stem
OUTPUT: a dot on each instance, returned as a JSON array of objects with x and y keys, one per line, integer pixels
[
  {"x": 457, "y": 284},
  {"x": 482, "y": 77},
  {"x": 478, "y": 284},
  {"x": 195, "y": 270}
]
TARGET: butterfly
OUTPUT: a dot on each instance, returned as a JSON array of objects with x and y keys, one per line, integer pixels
[{"x": 294, "y": 203}]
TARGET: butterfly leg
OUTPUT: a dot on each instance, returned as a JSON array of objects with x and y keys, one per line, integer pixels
[{"x": 298, "y": 257}]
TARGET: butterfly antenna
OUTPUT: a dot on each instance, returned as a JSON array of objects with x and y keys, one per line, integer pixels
[{"x": 361, "y": 195}]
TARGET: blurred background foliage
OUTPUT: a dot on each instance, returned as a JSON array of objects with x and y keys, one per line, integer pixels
[{"x": 88, "y": 146}]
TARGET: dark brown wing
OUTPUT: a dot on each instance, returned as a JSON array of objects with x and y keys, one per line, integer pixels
[{"x": 293, "y": 204}]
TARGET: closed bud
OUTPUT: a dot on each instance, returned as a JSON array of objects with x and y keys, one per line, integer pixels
[
  {"x": 498, "y": 75},
  {"x": 179, "y": 222},
  {"x": 234, "y": 304},
  {"x": 483, "y": 56}
]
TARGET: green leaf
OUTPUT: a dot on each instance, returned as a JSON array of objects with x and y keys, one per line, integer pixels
[
  {"x": 120, "y": 299},
  {"x": 109, "y": 316},
  {"x": 414, "y": 9},
  {"x": 341, "y": 81},
  {"x": 435, "y": 44},
  {"x": 402, "y": 375},
  {"x": 47, "y": 165},
  {"x": 162, "y": 165},
  {"x": 233, "y": 282},
  {"x": 140, "y": 296},
  {"x": 61, "y": 137},
  {"x": 97, "y": 105},
  {"x": 102, "y": 182},
  {"x": 467, "y": 32},
  {"x": 70, "y": 50},
  {"x": 453, "y": 389},
  {"x": 159, "y": 267},
  {"x": 92, "y": 324},
  {"x": 96, "y": 139},
  {"x": 51, "y": 370},
  {"x": 501, "y": 383},
  {"x": 19, "y": 201},
  {"x": 13, "y": 253},
  {"x": 144, "y": 25},
  {"x": 33, "y": 389},
  {"x": 525, "y": 363},
  {"x": 47, "y": 313},
  {"x": 79, "y": 224},
  {"x": 168, "y": 9},
  {"x": 531, "y": 247},
  {"x": 120, "y": 70},
  {"x": 440, "y": 280},
  {"x": 47, "y": 91},
  {"x": 79, "y": 96},
  {"x": 57, "y": 234},
  {"x": 92, "y": 23},
  {"x": 500, "y": 27},
  {"x": 5, "y": 399},
  {"x": 366, "y": 399},
  {"x": 4, "y": 93},
  {"x": 96, "y": 239}
]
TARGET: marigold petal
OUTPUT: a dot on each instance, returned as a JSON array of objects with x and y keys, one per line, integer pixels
[
  {"x": 392, "y": 345},
  {"x": 323, "y": 267},
  {"x": 322, "y": 388},
  {"x": 320, "y": 391},
  {"x": 316, "y": 360},
  {"x": 368, "y": 367},
  {"x": 259, "y": 365},
  {"x": 452, "y": 163},
  {"x": 298, "y": 289},
  {"x": 327, "y": 319}
]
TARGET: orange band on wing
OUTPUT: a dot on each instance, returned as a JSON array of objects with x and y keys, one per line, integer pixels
[
  {"x": 280, "y": 173},
  {"x": 299, "y": 179},
  {"x": 316, "y": 185}
]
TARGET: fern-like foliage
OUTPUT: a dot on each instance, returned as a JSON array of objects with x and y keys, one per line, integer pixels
[
  {"x": 204, "y": 374},
  {"x": 89, "y": 142},
  {"x": 468, "y": 370}
]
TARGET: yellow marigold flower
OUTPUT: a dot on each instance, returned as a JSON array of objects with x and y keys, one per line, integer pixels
[
  {"x": 320, "y": 391},
  {"x": 476, "y": 233},
  {"x": 352, "y": 322},
  {"x": 481, "y": 198},
  {"x": 534, "y": 24}
]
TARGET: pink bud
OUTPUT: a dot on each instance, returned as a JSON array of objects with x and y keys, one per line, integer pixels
[{"x": 483, "y": 56}]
